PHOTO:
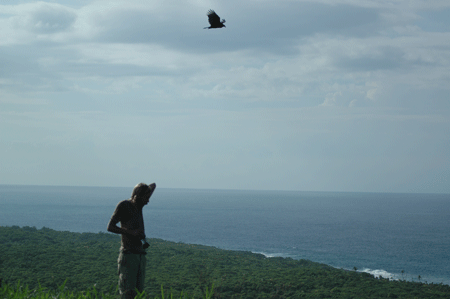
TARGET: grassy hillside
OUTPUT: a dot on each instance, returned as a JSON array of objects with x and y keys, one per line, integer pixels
[
  {"x": 21, "y": 292},
  {"x": 44, "y": 258}
]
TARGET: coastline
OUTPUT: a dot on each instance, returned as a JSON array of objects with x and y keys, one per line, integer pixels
[
  {"x": 79, "y": 260},
  {"x": 386, "y": 233}
]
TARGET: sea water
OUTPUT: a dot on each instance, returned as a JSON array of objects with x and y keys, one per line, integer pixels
[{"x": 400, "y": 236}]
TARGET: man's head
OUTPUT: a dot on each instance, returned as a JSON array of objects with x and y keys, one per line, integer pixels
[{"x": 141, "y": 193}]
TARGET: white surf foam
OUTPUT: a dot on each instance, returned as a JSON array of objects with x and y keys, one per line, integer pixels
[
  {"x": 380, "y": 273},
  {"x": 269, "y": 255}
]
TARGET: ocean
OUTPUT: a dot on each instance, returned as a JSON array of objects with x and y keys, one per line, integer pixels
[{"x": 397, "y": 236}]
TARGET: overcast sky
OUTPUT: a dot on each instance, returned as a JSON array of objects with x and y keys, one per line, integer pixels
[{"x": 332, "y": 95}]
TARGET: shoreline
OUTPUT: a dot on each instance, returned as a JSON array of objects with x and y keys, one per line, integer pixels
[
  {"x": 83, "y": 259},
  {"x": 367, "y": 231},
  {"x": 377, "y": 273}
]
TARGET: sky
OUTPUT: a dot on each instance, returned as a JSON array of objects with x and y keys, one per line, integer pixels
[{"x": 341, "y": 95}]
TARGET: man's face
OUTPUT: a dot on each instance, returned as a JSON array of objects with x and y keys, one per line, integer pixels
[{"x": 143, "y": 200}]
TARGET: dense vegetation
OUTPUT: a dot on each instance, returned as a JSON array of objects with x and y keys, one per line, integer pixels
[
  {"x": 21, "y": 292},
  {"x": 46, "y": 259}
]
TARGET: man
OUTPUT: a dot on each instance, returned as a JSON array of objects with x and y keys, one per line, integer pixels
[{"x": 131, "y": 262}]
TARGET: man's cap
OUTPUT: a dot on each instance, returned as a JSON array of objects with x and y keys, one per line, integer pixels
[{"x": 140, "y": 190}]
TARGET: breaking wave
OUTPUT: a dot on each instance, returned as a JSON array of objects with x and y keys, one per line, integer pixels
[
  {"x": 269, "y": 255},
  {"x": 380, "y": 273}
]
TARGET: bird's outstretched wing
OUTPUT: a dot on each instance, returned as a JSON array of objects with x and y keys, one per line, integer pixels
[{"x": 213, "y": 18}]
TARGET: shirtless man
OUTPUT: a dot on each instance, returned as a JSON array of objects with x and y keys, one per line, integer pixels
[{"x": 131, "y": 262}]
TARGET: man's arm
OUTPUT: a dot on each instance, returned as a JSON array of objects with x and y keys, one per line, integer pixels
[{"x": 113, "y": 228}]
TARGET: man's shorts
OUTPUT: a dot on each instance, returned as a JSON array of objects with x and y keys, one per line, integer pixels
[{"x": 131, "y": 269}]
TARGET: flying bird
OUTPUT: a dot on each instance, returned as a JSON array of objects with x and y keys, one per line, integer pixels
[{"x": 214, "y": 20}]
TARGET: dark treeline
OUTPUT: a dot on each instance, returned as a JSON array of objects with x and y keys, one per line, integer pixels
[{"x": 48, "y": 258}]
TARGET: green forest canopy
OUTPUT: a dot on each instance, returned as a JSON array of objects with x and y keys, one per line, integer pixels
[{"x": 49, "y": 258}]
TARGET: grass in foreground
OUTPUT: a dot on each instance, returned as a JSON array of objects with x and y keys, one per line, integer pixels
[{"x": 21, "y": 292}]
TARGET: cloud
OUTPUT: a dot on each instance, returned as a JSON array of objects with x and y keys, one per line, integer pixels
[
  {"x": 25, "y": 23},
  {"x": 45, "y": 18},
  {"x": 381, "y": 58},
  {"x": 268, "y": 26},
  {"x": 290, "y": 91}
]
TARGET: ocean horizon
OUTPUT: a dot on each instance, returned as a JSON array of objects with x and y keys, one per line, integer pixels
[{"x": 392, "y": 235}]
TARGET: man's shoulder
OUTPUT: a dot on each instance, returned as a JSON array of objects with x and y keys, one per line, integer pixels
[
  {"x": 124, "y": 204},
  {"x": 123, "y": 210}
]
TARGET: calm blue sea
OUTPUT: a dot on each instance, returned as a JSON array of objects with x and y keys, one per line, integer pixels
[{"x": 380, "y": 233}]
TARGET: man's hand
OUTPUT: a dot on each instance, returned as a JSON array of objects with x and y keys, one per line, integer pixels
[{"x": 137, "y": 233}]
